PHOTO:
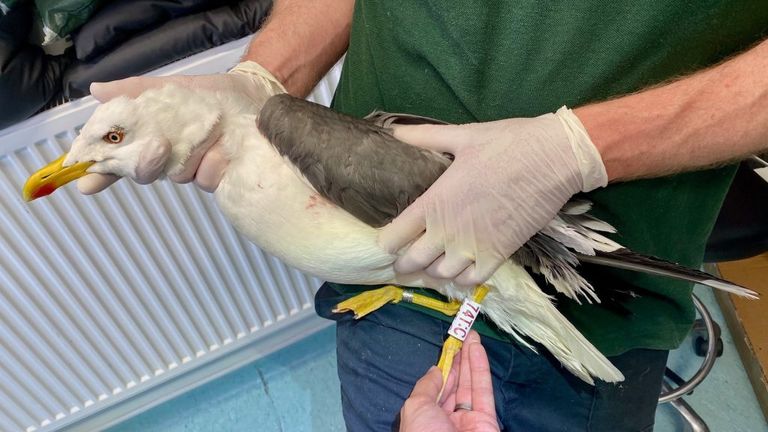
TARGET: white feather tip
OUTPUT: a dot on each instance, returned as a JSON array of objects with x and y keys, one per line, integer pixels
[{"x": 731, "y": 288}]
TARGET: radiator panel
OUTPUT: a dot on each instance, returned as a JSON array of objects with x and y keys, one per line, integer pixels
[{"x": 105, "y": 297}]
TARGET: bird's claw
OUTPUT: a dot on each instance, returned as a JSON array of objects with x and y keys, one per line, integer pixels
[{"x": 369, "y": 301}]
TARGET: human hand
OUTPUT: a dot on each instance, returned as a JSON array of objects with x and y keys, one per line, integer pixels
[
  {"x": 469, "y": 386},
  {"x": 247, "y": 79},
  {"x": 508, "y": 180}
]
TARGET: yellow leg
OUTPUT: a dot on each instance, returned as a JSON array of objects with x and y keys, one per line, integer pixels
[
  {"x": 447, "y": 308},
  {"x": 451, "y": 347},
  {"x": 368, "y": 301}
]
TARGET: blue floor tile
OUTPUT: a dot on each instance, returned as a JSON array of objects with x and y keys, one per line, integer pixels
[
  {"x": 294, "y": 389},
  {"x": 725, "y": 400}
]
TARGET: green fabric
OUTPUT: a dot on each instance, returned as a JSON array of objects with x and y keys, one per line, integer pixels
[
  {"x": 483, "y": 60},
  {"x": 62, "y": 17}
]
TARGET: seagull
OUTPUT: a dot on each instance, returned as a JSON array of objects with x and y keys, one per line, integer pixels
[{"x": 313, "y": 187}]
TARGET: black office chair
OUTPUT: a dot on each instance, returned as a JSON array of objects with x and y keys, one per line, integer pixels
[{"x": 741, "y": 231}]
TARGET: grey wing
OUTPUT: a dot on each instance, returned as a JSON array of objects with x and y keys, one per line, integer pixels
[{"x": 354, "y": 163}]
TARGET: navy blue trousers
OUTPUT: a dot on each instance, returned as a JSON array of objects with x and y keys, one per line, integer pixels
[{"x": 381, "y": 356}]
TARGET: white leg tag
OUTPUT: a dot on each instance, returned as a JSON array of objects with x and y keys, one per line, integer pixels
[{"x": 464, "y": 319}]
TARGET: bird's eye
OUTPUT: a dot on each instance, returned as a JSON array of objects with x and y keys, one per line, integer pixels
[{"x": 114, "y": 137}]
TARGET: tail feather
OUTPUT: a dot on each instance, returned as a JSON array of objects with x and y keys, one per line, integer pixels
[
  {"x": 628, "y": 260},
  {"x": 518, "y": 306},
  {"x": 557, "y": 264}
]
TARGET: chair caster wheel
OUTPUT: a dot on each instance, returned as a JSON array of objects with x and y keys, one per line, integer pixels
[
  {"x": 700, "y": 346},
  {"x": 700, "y": 339}
]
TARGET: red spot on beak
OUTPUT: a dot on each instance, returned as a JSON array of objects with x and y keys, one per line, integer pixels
[{"x": 44, "y": 190}]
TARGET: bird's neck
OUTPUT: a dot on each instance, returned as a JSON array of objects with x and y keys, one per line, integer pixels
[
  {"x": 194, "y": 121},
  {"x": 184, "y": 151},
  {"x": 191, "y": 122}
]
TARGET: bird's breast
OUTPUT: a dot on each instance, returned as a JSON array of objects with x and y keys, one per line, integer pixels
[{"x": 275, "y": 208}]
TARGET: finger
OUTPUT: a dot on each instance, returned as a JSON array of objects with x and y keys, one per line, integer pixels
[
  {"x": 448, "y": 266},
  {"x": 420, "y": 255},
  {"x": 129, "y": 87},
  {"x": 450, "y": 385},
  {"x": 441, "y": 138},
  {"x": 428, "y": 387},
  {"x": 464, "y": 389},
  {"x": 191, "y": 165},
  {"x": 211, "y": 170},
  {"x": 95, "y": 182},
  {"x": 472, "y": 337},
  {"x": 404, "y": 229},
  {"x": 471, "y": 276},
  {"x": 449, "y": 405},
  {"x": 467, "y": 277},
  {"x": 482, "y": 384}
]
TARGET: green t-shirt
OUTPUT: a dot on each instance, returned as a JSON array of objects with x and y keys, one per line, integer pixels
[{"x": 483, "y": 60}]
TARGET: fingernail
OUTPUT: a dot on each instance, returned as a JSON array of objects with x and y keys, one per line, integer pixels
[{"x": 476, "y": 350}]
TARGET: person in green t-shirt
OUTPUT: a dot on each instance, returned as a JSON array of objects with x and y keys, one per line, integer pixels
[
  {"x": 486, "y": 64},
  {"x": 663, "y": 91}
]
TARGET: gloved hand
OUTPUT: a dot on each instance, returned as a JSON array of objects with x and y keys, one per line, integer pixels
[
  {"x": 508, "y": 180},
  {"x": 247, "y": 79}
]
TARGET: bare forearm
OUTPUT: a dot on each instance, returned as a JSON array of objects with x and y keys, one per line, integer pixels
[
  {"x": 302, "y": 40},
  {"x": 711, "y": 117}
]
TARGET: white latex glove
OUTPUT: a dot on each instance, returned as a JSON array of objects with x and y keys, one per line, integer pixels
[
  {"x": 207, "y": 166},
  {"x": 508, "y": 180}
]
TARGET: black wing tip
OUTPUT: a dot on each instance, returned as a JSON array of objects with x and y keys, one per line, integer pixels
[{"x": 693, "y": 275}]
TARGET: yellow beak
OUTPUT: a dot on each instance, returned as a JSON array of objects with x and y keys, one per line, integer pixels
[{"x": 52, "y": 177}]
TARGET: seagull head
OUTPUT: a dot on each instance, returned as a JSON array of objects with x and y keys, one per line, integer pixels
[{"x": 129, "y": 138}]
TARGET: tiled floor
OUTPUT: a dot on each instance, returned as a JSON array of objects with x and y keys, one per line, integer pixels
[
  {"x": 725, "y": 400},
  {"x": 296, "y": 390}
]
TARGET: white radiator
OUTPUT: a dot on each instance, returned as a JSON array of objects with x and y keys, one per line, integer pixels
[{"x": 110, "y": 304}]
